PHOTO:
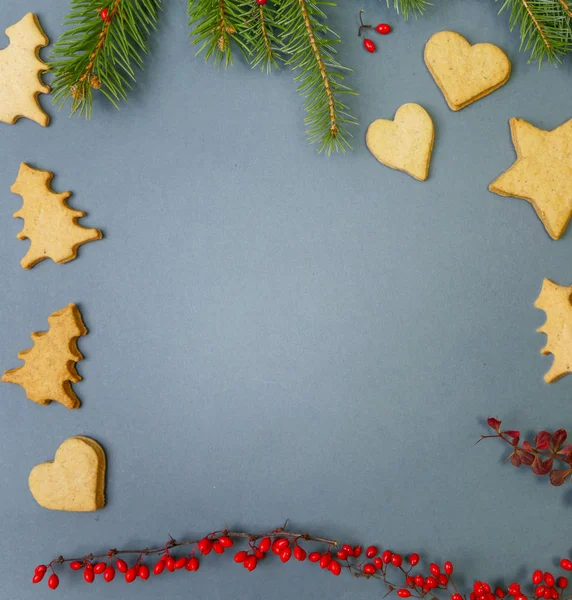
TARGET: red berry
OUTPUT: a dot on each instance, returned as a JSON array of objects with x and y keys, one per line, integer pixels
[
  {"x": 76, "y": 565},
  {"x": 109, "y": 574},
  {"x": 377, "y": 562},
  {"x": 226, "y": 541},
  {"x": 396, "y": 560},
  {"x": 286, "y": 554},
  {"x": 386, "y": 557},
  {"x": 240, "y": 557},
  {"x": 325, "y": 560},
  {"x": 250, "y": 563},
  {"x": 159, "y": 567},
  {"x": 130, "y": 575},
  {"x": 37, "y": 577},
  {"x": 562, "y": 582},
  {"x": 88, "y": 575},
  {"x": 348, "y": 549},
  {"x": 342, "y": 554},
  {"x": 371, "y": 551},
  {"x": 170, "y": 563},
  {"x": 218, "y": 547},
  {"x": 104, "y": 14},
  {"x": 549, "y": 579},
  {"x": 419, "y": 581},
  {"x": 143, "y": 571},
  {"x": 368, "y": 45},
  {"x": 40, "y": 570},
  {"x": 448, "y": 567},
  {"x": 413, "y": 559},
  {"x": 499, "y": 593},
  {"x": 259, "y": 554},
  {"x": 53, "y": 581},
  {"x": 265, "y": 544},
  {"x": 520, "y": 597},
  {"x": 547, "y": 594},
  {"x": 261, "y": 2},
  {"x": 409, "y": 581},
  {"x": 180, "y": 562},
  {"x": 314, "y": 556},
  {"x": 121, "y": 565},
  {"x": 566, "y": 564},
  {"x": 456, "y": 597},
  {"x": 435, "y": 570},
  {"x": 443, "y": 580},
  {"x": 555, "y": 594},
  {"x": 537, "y": 577},
  {"x": 279, "y": 544},
  {"x": 514, "y": 589},
  {"x": 205, "y": 546},
  {"x": 403, "y": 593},
  {"x": 383, "y": 28},
  {"x": 193, "y": 564},
  {"x": 334, "y": 567},
  {"x": 300, "y": 553},
  {"x": 357, "y": 551},
  {"x": 431, "y": 582},
  {"x": 99, "y": 567},
  {"x": 369, "y": 569}
]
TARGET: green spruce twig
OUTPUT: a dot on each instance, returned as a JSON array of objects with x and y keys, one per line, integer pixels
[
  {"x": 545, "y": 27},
  {"x": 308, "y": 45},
  {"x": 408, "y": 8},
  {"x": 103, "y": 44},
  {"x": 261, "y": 34}
]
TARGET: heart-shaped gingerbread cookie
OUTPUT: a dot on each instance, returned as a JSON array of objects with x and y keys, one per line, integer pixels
[
  {"x": 465, "y": 73},
  {"x": 404, "y": 143},
  {"x": 75, "y": 480}
]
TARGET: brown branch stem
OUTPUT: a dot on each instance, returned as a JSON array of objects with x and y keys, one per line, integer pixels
[
  {"x": 100, "y": 42},
  {"x": 265, "y": 32},
  {"x": 566, "y": 7},
  {"x": 334, "y": 128}
]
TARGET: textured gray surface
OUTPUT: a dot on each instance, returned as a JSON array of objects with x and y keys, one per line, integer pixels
[{"x": 279, "y": 335}]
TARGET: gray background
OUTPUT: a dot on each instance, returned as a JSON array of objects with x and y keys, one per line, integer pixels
[{"x": 275, "y": 334}]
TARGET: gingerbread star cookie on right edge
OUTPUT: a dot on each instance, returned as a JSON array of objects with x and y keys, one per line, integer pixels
[
  {"x": 465, "y": 73},
  {"x": 541, "y": 174}
]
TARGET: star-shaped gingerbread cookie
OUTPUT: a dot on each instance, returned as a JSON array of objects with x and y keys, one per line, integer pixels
[{"x": 542, "y": 173}]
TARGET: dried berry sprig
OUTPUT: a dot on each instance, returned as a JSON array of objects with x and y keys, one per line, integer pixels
[
  {"x": 546, "y": 452},
  {"x": 393, "y": 570}
]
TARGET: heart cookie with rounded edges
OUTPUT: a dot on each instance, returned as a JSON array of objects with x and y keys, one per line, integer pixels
[
  {"x": 75, "y": 480},
  {"x": 465, "y": 73},
  {"x": 406, "y": 142}
]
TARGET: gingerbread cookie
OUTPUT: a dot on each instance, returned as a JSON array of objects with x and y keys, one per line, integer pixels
[
  {"x": 49, "y": 223},
  {"x": 406, "y": 142},
  {"x": 556, "y": 301},
  {"x": 20, "y": 72},
  {"x": 49, "y": 366},
  {"x": 74, "y": 480},
  {"x": 542, "y": 173},
  {"x": 465, "y": 73}
]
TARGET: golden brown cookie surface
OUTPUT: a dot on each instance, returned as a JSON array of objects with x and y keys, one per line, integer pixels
[
  {"x": 465, "y": 73},
  {"x": 406, "y": 142},
  {"x": 49, "y": 223},
  {"x": 20, "y": 72},
  {"x": 74, "y": 480},
  {"x": 542, "y": 173},
  {"x": 49, "y": 366}
]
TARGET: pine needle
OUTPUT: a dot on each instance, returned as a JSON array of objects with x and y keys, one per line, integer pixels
[{"x": 414, "y": 8}]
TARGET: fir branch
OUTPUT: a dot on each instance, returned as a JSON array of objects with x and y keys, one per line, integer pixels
[
  {"x": 409, "y": 7},
  {"x": 310, "y": 51},
  {"x": 260, "y": 34},
  {"x": 545, "y": 27},
  {"x": 100, "y": 49},
  {"x": 216, "y": 23}
]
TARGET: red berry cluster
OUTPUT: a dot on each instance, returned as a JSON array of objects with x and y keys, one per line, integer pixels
[
  {"x": 382, "y": 28},
  {"x": 542, "y": 455},
  {"x": 400, "y": 574},
  {"x": 105, "y": 15}
]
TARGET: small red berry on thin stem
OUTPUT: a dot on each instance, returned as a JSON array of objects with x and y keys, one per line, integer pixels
[
  {"x": 53, "y": 581},
  {"x": 193, "y": 564},
  {"x": 261, "y": 2},
  {"x": 383, "y": 28},
  {"x": 109, "y": 574}
]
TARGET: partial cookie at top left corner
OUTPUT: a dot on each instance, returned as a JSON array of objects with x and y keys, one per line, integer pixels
[{"x": 20, "y": 72}]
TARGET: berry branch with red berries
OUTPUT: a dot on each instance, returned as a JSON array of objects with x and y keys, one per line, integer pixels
[
  {"x": 546, "y": 451},
  {"x": 399, "y": 574}
]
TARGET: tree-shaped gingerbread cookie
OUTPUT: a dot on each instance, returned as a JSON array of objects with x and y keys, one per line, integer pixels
[{"x": 49, "y": 368}]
